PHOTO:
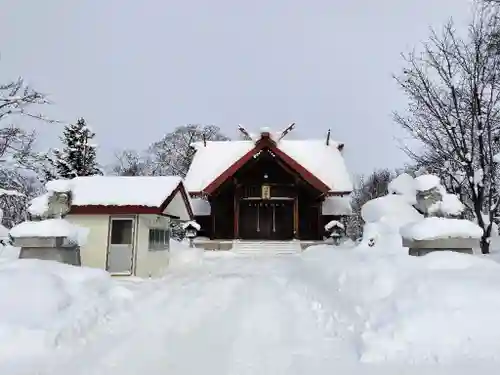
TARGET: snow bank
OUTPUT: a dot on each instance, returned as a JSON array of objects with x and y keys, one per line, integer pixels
[
  {"x": 46, "y": 303},
  {"x": 4, "y": 232},
  {"x": 50, "y": 228},
  {"x": 437, "y": 227},
  {"x": 440, "y": 308},
  {"x": 9, "y": 252},
  {"x": 182, "y": 256}
]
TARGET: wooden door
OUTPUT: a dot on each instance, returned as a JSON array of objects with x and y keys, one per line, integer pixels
[
  {"x": 255, "y": 220},
  {"x": 283, "y": 221}
]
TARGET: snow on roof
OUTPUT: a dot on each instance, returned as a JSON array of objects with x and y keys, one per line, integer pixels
[
  {"x": 191, "y": 223},
  {"x": 324, "y": 162},
  {"x": 201, "y": 207},
  {"x": 336, "y": 206},
  {"x": 147, "y": 191},
  {"x": 211, "y": 161},
  {"x": 437, "y": 227}
]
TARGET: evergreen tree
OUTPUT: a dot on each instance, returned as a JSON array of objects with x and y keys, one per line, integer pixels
[{"x": 78, "y": 157}]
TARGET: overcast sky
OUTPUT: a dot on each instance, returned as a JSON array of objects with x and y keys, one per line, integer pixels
[{"x": 136, "y": 69}]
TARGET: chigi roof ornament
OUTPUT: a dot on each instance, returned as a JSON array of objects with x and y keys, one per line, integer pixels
[{"x": 265, "y": 132}]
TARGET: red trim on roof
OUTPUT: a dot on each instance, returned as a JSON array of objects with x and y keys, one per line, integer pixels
[
  {"x": 134, "y": 209},
  {"x": 262, "y": 143},
  {"x": 113, "y": 210},
  {"x": 180, "y": 188}
]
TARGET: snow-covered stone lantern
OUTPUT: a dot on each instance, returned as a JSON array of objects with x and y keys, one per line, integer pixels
[
  {"x": 440, "y": 229},
  {"x": 335, "y": 230},
  {"x": 191, "y": 229},
  {"x": 49, "y": 236}
]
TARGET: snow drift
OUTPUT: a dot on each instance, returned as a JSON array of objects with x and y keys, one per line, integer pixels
[
  {"x": 440, "y": 308},
  {"x": 44, "y": 304}
]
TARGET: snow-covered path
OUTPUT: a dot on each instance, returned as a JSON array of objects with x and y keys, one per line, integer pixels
[{"x": 232, "y": 316}]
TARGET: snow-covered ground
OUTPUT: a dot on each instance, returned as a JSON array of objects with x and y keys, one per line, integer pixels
[{"x": 329, "y": 310}]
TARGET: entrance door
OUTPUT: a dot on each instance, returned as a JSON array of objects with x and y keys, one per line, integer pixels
[
  {"x": 261, "y": 220},
  {"x": 120, "y": 257},
  {"x": 283, "y": 220}
]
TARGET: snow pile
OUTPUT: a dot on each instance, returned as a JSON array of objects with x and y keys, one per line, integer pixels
[
  {"x": 384, "y": 216},
  {"x": 183, "y": 256},
  {"x": 438, "y": 227},
  {"x": 404, "y": 185},
  {"x": 427, "y": 182},
  {"x": 8, "y": 252},
  {"x": 44, "y": 304},
  {"x": 4, "y": 232},
  {"x": 396, "y": 214},
  {"x": 50, "y": 228},
  {"x": 39, "y": 206},
  {"x": 440, "y": 308},
  {"x": 393, "y": 210}
]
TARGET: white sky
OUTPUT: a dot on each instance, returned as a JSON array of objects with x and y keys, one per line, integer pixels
[{"x": 136, "y": 69}]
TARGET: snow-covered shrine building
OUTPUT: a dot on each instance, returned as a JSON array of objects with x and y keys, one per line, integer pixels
[{"x": 267, "y": 187}]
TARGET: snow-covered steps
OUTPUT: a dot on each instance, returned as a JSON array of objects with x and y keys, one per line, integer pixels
[{"x": 267, "y": 247}]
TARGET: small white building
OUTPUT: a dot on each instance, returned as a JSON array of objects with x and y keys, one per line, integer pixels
[{"x": 128, "y": 221}]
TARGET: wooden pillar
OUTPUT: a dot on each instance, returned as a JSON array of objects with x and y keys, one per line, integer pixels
[
  {"x": 320, "y": 230},
  {"x": 212, "y": 215},
  {"x": 296, "y": 216},
  {"x": 236, "y": 211}
]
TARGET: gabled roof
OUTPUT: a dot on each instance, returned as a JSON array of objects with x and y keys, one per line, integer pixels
[
  {"x": 130, "y": 194},
  {"x": 320, "y": 164}
]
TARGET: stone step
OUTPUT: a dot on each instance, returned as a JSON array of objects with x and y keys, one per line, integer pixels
[{"x": 266, "y": 247}]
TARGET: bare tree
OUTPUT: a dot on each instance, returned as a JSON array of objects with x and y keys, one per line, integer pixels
[
  {"x": 131, "y": 163},
  {"x": 172, "y": 155},
  {"x": 19, "y": 163},
  {"x": 454, "y": 102}
]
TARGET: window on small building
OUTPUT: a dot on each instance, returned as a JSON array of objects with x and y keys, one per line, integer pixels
[{"x": 159, "y": 239}]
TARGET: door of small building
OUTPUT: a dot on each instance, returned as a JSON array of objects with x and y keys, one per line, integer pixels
[{"x": 120, "y": 256}]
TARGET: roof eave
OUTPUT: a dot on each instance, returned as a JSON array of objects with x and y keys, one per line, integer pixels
[{"x": 266, "y": 141}]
